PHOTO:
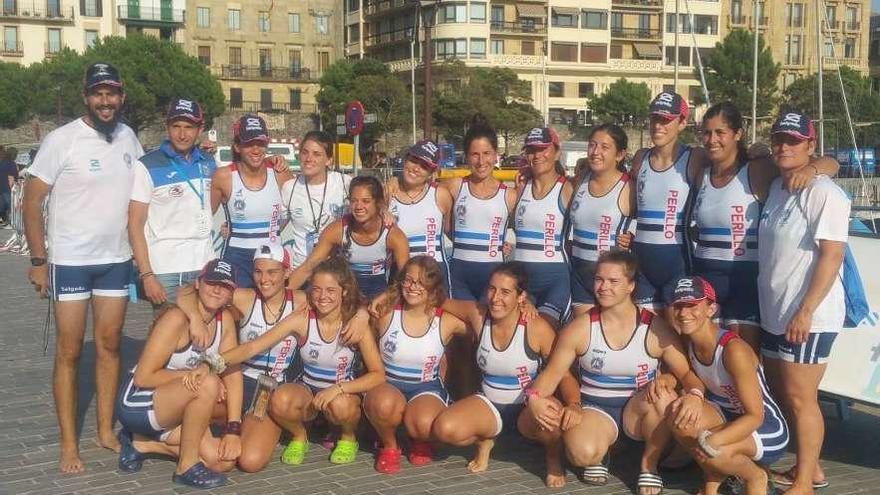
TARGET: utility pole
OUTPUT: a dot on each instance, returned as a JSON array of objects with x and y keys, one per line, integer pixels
[
  {"x": 677, "y": 25},
  {"x": 755, "y": 25},
  {"x": 820, "y": 54},
  {"x": 427, "y": 122}
]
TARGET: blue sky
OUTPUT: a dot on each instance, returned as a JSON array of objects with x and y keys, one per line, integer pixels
[{"x": 875, "y": 5}]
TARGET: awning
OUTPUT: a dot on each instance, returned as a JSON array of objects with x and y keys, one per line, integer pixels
[
  {"x": 647, "y": 50},
  {"x": 567, "y": 11},
  {"x": 530, "y": 10}
]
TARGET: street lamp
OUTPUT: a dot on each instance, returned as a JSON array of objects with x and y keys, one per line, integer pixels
[
  {"x": 429, "y": 9},
  {"x": 413, "y": 35}
]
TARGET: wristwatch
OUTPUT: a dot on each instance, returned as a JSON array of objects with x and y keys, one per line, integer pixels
[{"x": 35, "y": 261}]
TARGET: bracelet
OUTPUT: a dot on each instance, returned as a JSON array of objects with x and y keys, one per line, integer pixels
[
  {"x": 215, "y": 362},
  {"x": 703, "y": 440},
  {"x": 697, "y": 392},
  {"x": 341, "y": 390},
  {"x": 232, "y": 428},
  {"x": 145, "y": 275}
]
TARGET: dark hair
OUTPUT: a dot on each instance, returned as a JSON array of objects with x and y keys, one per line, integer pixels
[
  {"x": 371, "y": 183},
  {"x": 338, "y": 267},
  {"x": 515, "y": 270},
  {"x": 432, "y": 281},
  {"x": 324, "y": 139},
  {"x": 623, "y": 257},
  {"x": 480, "y": 129},
  {"x": 734, "y": 119},
  {"x": 618, "y": 135}
]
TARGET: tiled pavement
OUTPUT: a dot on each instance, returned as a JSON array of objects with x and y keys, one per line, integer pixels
[{"x": 29, "y": 447}]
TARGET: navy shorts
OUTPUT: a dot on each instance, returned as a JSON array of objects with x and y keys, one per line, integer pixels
[
  {"x": 815, "y": 350},
  {"x": 736, "y": 287},
  {"x": 660, "y": 267},
  {"x": 582, "y": 274},
  {"x": 611, "y": 407},
  {"x": 242, "y": 261},
  {"x": 75, "y": 283},
  {"x": 549, "y": 288},
  {"x": 371, "y": 285},
  {"x": 506, "y": 415},
  {"x": 469, "y": 279},
  {"x": 134, "y": 409},
  {"x": 771, "y": 438},
  {"x": 411, "y": 390}
]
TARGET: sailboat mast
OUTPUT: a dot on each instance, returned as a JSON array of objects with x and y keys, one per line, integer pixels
[
  {"x": 755, "y": 74},
  {"x": 677, "y": 29},
  {"x": 819, "y": 54}
]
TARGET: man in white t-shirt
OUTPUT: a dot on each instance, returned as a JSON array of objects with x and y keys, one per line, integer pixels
[
  {"x": 87, "y": 165},
  {"x": 169, "y": 216}
]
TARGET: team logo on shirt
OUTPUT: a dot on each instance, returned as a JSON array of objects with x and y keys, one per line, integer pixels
[
  {"x": 127, "y": 158},
  {"x": 481, "y": 359},
  {"x": 193, "y": 361},
  {"x": 94, "y": 165},
  {"x": 175, "y": 191},
  {"x": 597, "y": 362},
  {"x": 239, "y": 204},
  {"x": 251, "y": 335},
  {"x": 520, "y": 212},
  {"x": 575, "y": 205},
  {"x": 313, "y": 350}
]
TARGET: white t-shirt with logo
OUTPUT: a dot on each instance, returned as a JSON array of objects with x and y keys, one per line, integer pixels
[
  {"x": 299, "y": 235},
  {"x": 788, "y": 249},
  {"x": 91, "y": 183}
]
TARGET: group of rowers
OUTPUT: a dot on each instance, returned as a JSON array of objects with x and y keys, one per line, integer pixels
[{"x": 689, "y": 301}]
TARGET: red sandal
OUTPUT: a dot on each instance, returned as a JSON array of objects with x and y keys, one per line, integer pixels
[
  {"x": 387, "y": 461},
  {"x": 420, "y": 453}
]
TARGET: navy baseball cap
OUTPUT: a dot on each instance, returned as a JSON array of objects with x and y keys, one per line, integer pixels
[
  {"x": 218, "y": 271},
  {"x": 101, "y": 73},
  {"x": 250, "y": 128},
  {"x": 425, "y": 152},
  {"x": 669, "y": 105},
  {"x": 541, "y": 137},
  {"x": 794, "y": 124},
  {"x": 185, "y": 109},
  {"x": 691, "y": 289}
]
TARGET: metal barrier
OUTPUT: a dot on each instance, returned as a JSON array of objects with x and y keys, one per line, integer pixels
[{"x": 17, "y": 244}]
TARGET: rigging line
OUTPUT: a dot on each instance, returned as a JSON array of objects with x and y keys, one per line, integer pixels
[{"x": 687, "y": 7}]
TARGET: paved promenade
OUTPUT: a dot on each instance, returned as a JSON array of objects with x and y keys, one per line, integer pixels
[{"x": 29, "y": 445}]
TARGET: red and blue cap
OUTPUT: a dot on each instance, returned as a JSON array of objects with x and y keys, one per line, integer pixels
[
  {"x": 425, "y": 152},
  {"x": 185, "y": 109},
  {"x": 101, "y": 73},
  {"x": 541, "y": 137},
  {"x": 218, "y": 271},
  {"x": 250, "y": 128},
  {"x": 669, "y": 105},
  {"x": 794, "y": 124},
  {"x": 691, "y": 289}
]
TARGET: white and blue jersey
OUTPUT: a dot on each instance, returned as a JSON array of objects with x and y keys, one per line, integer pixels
[
  {"x": 538, "y": 226},
  {"x": 479, "y": 225},
  {"x": 369, "y": 263},
  {"x": 325, "y": 363},
  {"x": 727, "y": 219},
  {"x": 506, "y": 372},
  {"x": 255, "y": 216},
  {"x": 596, "y": 221},
  {"x": 661, "y": 199},
  {"x": 771, "y": 438},
  {"x": 275, "y": 361},
  {"x": 412, "y": 364},
  {"x": 422, "y": 222}
]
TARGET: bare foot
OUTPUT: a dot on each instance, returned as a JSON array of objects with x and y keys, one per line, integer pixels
[
  {"x": 109, "y": 441},
  {"x": 70, "y": 463},
  {"x": 555, "y": 472},
  {"x": 480, "y": 461}
]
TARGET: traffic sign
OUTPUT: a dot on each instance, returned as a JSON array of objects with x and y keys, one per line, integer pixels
[{"x": 354, "y": 118}]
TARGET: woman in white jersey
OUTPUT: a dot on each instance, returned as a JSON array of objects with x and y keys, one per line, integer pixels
[
  {"x": 162, "y": 413},
  {"x": 510, "y": 352},
  {"x": 618, "y": 348},
  {"x": 413, "y": 333},
  {"x": 481, "y": 207},
  {"x": 600, "y": 210},
  {"x": 327, "y": 384},
  {"x": 803, "y": 238},
  {"x": 363, "y": 238},
  {"x": 741, "y": 429},
  {"x": 538, "y": 224},
  {"x": 250, "y": 192},
  {"x": 317, "y": 196},
  {"x": 419, "y": 206}
]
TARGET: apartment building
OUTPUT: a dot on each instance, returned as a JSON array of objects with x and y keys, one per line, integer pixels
[
  {"x": 36, "y": 29},
  {"x": 268, "y": 55},
  {"x": 160, "y": 18},
  {"x": 569, "y": 50},
  {"x": 789, "y": 29}
]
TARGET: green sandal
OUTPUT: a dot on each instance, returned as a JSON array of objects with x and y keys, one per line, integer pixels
[
  {"x": 344, "y": 452},
  {"x": 295, "y": 452}
]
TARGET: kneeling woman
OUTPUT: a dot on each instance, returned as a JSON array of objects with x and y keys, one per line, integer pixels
[
  {"x": 327, "y": 384},
  {"x": 618, "y": 348},
  {"x": 413, "y": 334},
  {"x": 741, "y": 429},
  {"x": 362, "y": 238},
  {"x": 161, "y": 414},
  {"x": 510, "y": 353}
]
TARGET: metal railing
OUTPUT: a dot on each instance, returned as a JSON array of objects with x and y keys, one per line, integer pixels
[
  {"x": 852, "y": 26},
  {"x": 379, "y": 6},
  {"x": 43, "y": 11},
  {"x": 15, "y": 49},
  {"x": 635, "y": 33},
  {"x": 517, "y": 27},
  {"x": 152, "y": 14},
  {"x": 389, "y": 37},
  {"x": 271, "y": 107},
  {"x": 51, "y": 51},
  {"x": 638, "y": 3},
  {"x": 250, "y": 72}
]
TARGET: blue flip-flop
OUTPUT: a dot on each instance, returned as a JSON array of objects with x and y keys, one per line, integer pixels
[
  {"x": 199, "y": 476},
  {"x": 130, "y": 460}
]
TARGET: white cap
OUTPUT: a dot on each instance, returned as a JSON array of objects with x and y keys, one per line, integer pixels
[{"x": 272, "y": 251}]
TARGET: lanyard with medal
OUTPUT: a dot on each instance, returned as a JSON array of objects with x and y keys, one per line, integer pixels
[
  {"x": 312, "y": 236},
  {"x": 203, "y": 220},
  {"x": 266, "y": 383}
]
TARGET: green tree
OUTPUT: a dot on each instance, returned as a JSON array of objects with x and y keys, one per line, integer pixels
[
  {"x": 623, "y": 102},
  {"x": 864, "y": 105},
  {"x": 13, "y": 108},
  {"x": 729, "y": 73},
  {"x": 153, "y": 71}
]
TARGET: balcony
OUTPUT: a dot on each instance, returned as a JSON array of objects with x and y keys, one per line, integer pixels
[
  {"x": 374, "y": 40},
  {"x": 257, "y": 73},
  {"x": 855, "y": 63},
  {"x": 11, "y": 49},
  {"x": 385, "y": 7},
  {"x": 270, "y": 107},
  {"x": 51, "y": 49},
  {"x": 44, "y": 13},
  {"x": 517, "y": 27},
  {"x": 635, "y": 65},
  {"x": 635, "y": 33},
  {"x": 638, "y": 4},
  {"x": 510, "y": 60},
  {"x": 150, "y": 16}
]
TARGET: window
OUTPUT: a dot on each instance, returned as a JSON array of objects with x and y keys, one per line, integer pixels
[
  {"x": 53, "y": 8},
  {"x": 450, "y": 48},
  {"x": 594, "y": 19},
  {"x": 695, "y": 93},
  {"x": 556, "y": 89},
  {"x": 829, "y": 48},
  {"x": 794, "y": 15},
  {"x": 235, "y": 98},
  {"x": 684, "y": 23},
  {"x": 294, "y": 61},
  {"x": 91, "y": 38},
  {"x": 456, "y": 12},
  {"x": 564, "y": 52},
  {"x": 295, "y": 99},
  {"x": 497, "y": 15},
  {"x": 616, "y": 21},
  {"x": 705, "y": 24},
  {"x": 263, "y": 22},
  {"x": 203, "y": 17},
  {"x": 564, "y": 19},
  {"x": 644, "y": 22},
  {"x": 205, "y": 55},
  {"x": 527, "y": 48},
  {"x": 265, "y": 99},
  {"x": 10, "y": 39},
  {"x": 594, "y": 52},
  {"x": 234, "y": 19},
  {"x": 736, "y": 12},
  {"x": 478, "y": 48},
  {"x": 849, "y": 48},
  {"x": 323, "y": 61},
  {"x": 322, "y": 24},
  {"x": 684, "y": 55},
  {"x": 235, "y": 55},
  {"x": 616, "y": 50},
  {"x": 88, "y": 8},
  {"x": 562, "y": 116},
  {"x": 793, "y": 50},
  {"x": 54, "y": 41},
  {"x": 585, "y": 90},
  {"x": 670, "y": 23},
  {"x": 354, "y": 5},
  {"x": 830, "y": 16},
  {"x": 292, "y": 22},
  {"x": 478, "y": 12},
  {"x": 852, "y": 18},
  {"x": 265, "y": 62},
  {"x": 497, "y": 47},
  {"x": 354, "y": 33}
]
